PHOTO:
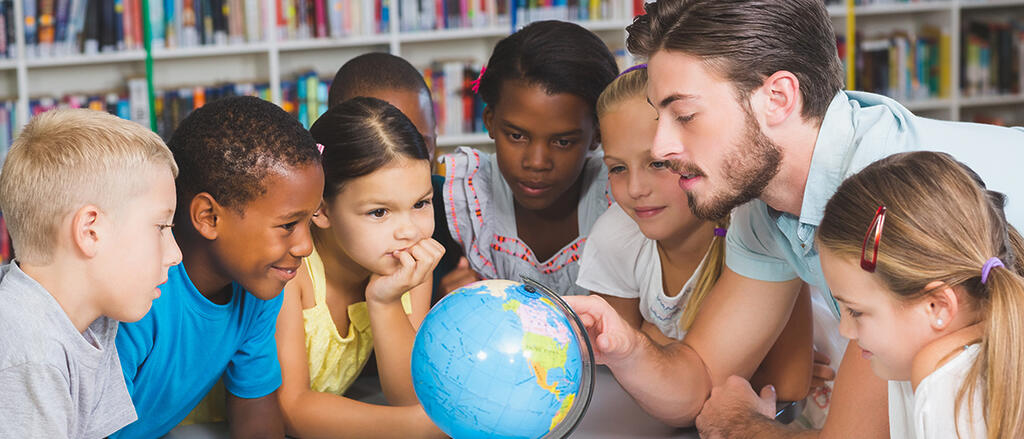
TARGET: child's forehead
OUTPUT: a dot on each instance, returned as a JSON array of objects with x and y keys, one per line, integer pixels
[
  {"x": 287, "y": 189},
  {"x": 400, "y": 180}
]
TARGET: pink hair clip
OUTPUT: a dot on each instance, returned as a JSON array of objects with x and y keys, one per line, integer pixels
[
  {"x": 320, "y": 147},
  {"x": 476, "y": 82}
]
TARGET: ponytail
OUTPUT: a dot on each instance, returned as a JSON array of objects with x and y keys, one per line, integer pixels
[
  {"x": 1002, "y": 350},
  {"x": 1002, "y": 357},
  {"x": 710, "y": 271}
]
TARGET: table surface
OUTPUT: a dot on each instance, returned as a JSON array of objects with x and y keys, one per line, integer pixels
[{"x": 612, "y": 415}]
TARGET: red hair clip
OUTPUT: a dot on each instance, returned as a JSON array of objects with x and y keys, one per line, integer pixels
[
  {"x": 876, "y": 229},
  {"x": 476, "y": 82}
]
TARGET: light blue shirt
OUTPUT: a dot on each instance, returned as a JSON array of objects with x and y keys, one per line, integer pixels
[{"x": 858, "y": 129}]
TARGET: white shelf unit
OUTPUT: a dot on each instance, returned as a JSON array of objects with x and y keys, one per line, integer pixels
[
  {"x": 268, "y": 61},
  {"x": 950, "y": 16},
  {"x": 273, "y": 60}
]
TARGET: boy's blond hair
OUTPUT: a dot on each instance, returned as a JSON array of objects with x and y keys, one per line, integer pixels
[{"x": 65, "y": 159}]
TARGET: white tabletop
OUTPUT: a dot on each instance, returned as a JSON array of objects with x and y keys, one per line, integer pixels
[{"x": 612, "y": 415}]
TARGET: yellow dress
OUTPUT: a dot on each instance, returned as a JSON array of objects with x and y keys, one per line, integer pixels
[{"x": 335, "y": 362}]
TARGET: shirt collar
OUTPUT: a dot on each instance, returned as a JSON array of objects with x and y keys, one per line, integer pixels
[{"x": 830, "y": 158}]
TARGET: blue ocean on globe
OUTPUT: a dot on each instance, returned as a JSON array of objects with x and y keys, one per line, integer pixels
[{"x": 494, "y": 359}]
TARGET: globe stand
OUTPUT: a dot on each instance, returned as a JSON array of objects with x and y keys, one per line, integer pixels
[{"x": 587, "y": 367}]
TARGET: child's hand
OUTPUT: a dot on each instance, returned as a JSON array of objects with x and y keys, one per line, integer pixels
[
  {"x": 416, "y": 264},
  {"x": 822, "y": 371},
  {"x": 460, "y": 276}
]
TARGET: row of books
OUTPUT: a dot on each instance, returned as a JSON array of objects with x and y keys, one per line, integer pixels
[
  {"x": 904, "y": 64},
  {"x": 304, "y": 97},
  {"x": 992, "y": 56},
  {"x": 67, "y": 27},
  {"x": 457, "y": 108},
  {"x": 422, "y": 15}
]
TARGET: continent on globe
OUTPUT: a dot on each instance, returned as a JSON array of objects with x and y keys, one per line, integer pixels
[{"x": 501, "y": 359}]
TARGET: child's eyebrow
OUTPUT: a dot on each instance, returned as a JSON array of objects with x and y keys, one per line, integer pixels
[
  {"x": 840, "y": 299},
  {"x": 296, "y": 215},
  {"x": 564, "y": 133}
]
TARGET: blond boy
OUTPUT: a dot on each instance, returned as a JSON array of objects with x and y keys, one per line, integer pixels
[{"x": 88, "y": 200}]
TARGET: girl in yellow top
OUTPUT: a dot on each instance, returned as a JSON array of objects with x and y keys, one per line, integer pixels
[{"x": 367, "y": 284}]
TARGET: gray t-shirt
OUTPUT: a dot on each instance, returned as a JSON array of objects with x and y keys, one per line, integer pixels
[{"x": 56, "y": 382}]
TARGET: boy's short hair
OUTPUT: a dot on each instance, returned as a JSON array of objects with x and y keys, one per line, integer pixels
[
  {"x": 229, "y": 146},
  {"x": 371, "y": 72},
  {"x": 65, "y": 159}
]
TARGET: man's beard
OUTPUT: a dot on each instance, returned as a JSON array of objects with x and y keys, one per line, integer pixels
[{"x": 747, "y": 170}]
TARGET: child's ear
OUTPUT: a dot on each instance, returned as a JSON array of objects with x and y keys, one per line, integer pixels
[
  {"x": 489, "y": 121},
  {"x": 320, "y": 218},
  {"x": 941, "y": 305},
  {"x": 204, "y": 212},
  {"x": 85, "y": 230}
]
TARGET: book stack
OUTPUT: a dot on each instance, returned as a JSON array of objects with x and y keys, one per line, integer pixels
[
  {"x": 904, "y": 64},
  {"x": 457, "y": 108},
  {"x": 991, "y": 58},
  {"x": 425, "y": 15},
  {"x": 66, "y": 27},
  {"x": 528, "y": 11},
  {"x": 305, "y": 97},
  {"x": 304, "y": 19},
  {"x": 174, "y": 104}
]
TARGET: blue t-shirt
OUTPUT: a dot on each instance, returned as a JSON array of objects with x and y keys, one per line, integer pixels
[{"x": 177, "y": 352}]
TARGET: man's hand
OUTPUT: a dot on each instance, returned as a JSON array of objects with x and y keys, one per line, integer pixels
[
  {"x": 731, "y": 403},
  {"x": 613, "y": 338}
]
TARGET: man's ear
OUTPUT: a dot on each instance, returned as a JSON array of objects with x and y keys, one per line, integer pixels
[
  {"x": 86, "y": 233},
  {"x": 489, "y": 121},
  {"x": 320, "y": 218},
  {"x": 941, "y": 305},
  {"x": 205, "y": 214},
  {"x": 781, "y": 93}
]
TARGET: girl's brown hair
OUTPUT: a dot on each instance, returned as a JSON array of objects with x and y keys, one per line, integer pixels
[
  {"x": 630, "y": 85},
  {"x": 941, "y": 224}
]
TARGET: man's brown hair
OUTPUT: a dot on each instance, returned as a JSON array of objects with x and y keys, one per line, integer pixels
[{"x": 746, "y": 41}]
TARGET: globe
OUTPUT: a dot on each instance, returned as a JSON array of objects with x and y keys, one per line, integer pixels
[{"x": 503, "y": 359}]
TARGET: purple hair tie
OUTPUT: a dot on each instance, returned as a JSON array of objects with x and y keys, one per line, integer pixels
[
  {"x": 989, "y": 265},
  {"x": 719, "y": 231},
  {"x": 636, "y": 67}
]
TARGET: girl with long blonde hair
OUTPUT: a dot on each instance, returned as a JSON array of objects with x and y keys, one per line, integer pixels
[{"x": 928, "y": 275}]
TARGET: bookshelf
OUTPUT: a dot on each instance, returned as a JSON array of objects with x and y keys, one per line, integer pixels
[
  {"x": 269, "y": 60},
  {"x": 273, "y": 58},
  {"x": 960, "y": 97}
]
